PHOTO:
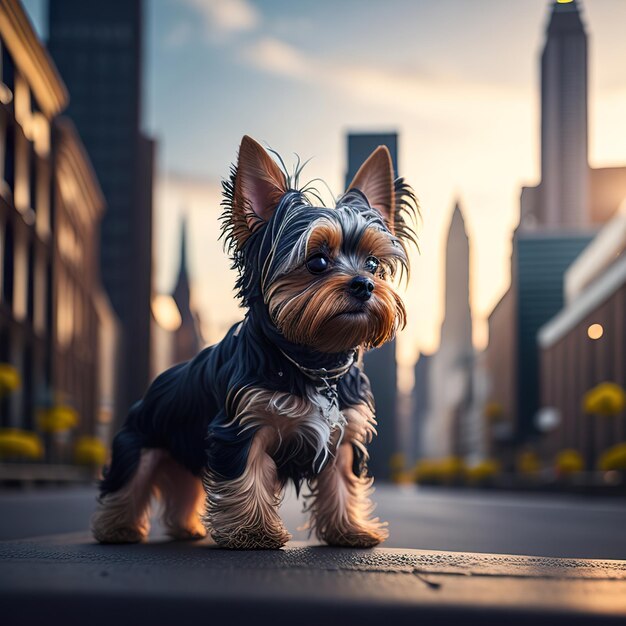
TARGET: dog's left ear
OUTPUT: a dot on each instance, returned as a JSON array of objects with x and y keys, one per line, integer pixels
[
  {"x": 259, "y": 186},
  {"x": 375, "y": 180}
]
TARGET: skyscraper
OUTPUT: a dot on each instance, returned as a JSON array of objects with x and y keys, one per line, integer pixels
[
  {"x": 570, "y": 195},
  {"x": 564, "y": 166},
  {"x": 380, "y": 364},
  {"x": 186, "y": 340},
  {"x": 97, "y": 47},
  {"x": 450, "y": 380}
]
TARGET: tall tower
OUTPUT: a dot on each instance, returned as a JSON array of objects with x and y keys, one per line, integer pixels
[
  {"x": 457, "y": 324},
  {"x": 97, "y": 47},
  {"x": 380, "y": 364},
  {"x": 564, "y": 164},
  {"x": 186, "y": 342},
  {"x": 450, "y": 377}
]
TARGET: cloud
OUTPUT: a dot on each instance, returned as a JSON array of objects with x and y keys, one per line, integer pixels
[
  {"x": 391, "y": 87},
  {"x": 226, "y": 17},
  {"x": 277, "y": 57}
]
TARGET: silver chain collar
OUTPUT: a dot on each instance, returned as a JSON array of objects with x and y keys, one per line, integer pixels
[{"x": 326, "y": 383}]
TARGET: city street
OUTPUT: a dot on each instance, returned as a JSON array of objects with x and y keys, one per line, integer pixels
[{"x": 420, "y": 518}]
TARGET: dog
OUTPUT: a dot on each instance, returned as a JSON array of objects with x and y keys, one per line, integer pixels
[{"x": 283, "y": 397}]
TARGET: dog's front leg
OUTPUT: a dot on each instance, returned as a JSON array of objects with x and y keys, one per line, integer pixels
[
  {"x": 243, "y": 513},
  {"x": 341, "y": 508}
]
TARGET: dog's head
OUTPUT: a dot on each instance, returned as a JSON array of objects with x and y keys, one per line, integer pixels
[{"x": 322, "y": 275}]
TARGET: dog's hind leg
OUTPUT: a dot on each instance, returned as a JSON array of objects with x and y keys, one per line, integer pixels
[
  {"x": 182, "y": 496},
  {"x": 123, "y": 513}
]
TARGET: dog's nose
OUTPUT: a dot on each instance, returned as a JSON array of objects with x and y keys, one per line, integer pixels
[{"x": 361, "y": 287}]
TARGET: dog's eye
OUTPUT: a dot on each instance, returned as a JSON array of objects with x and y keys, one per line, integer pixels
[
  {"x": 317, "y": 264},
  {"x": 371, "y": 264}
]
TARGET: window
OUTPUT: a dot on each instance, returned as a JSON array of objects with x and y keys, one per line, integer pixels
[
  {"x": 7, "y": 264},
  {"x": 9, "y": 156},
  {"x": 20, "y": 280}
]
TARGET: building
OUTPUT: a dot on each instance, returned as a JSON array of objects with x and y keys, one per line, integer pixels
[
  {"x": 176, "y": 332},
  {"x": 584, "y": 345},
  {"x": 380, "y": 364},
  {"x": 56, "y": 325},
  {"x": 187, "y": 338},
  {"x": 420, "y": 405},
  {"x": 86, "y": 329},
  {"x": 538, "y": 264},
  {"x": 97, "y": 47},
  {"x": 571, "y": 195},
  {"x": 450, "y": 382}
]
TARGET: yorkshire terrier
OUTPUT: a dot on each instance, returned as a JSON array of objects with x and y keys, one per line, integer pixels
[{"x": 283, "y": 396}]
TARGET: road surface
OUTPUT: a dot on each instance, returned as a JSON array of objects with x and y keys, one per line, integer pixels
[{"x": 419, "y": 518}]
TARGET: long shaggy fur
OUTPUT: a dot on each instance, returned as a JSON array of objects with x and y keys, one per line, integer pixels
[{"x": 246, "y": 415}]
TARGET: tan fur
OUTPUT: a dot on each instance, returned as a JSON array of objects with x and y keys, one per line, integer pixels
[
  {"x": 259, "y": 186},
  {"x": 321, "y": 313},
  {"x": 341, "y": 507},
  {"x": 182, "y": 497},
  {"x": 375, "y": 180},
  {"x": 243, "y": 513},
  {"x": 124, "y": 516},
  {"x": 325, "y": 236}
]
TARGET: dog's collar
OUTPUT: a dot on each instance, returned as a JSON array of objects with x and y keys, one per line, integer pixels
[{"x": 322, "y": 374}]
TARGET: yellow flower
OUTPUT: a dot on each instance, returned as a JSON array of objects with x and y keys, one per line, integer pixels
[
  {"x": 483, "y": 471},
  {"x": 9, "y": 378},
  {"x": 57, "y": 419},
  {"x": 16, "y": 443},
  {"x": 614, "y": 458},
  {"x": 528, "y": 463},
  {"x": 568, "y": 462},
  {"x": 493, "y": 410},
  {"x": 90, "y": 451},
  {"x": 604, "y": 399},
  {"x": 397, "y": 461},
  {"x": 439, "y": 470}
]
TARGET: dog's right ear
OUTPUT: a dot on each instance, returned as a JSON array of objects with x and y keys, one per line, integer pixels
[{"x": 259, "y": 186}]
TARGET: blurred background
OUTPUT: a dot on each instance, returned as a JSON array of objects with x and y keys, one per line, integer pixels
[{"x": 118, "y": 121}]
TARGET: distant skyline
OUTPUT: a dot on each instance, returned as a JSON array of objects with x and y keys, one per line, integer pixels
[{"x": 458, "y": 80}]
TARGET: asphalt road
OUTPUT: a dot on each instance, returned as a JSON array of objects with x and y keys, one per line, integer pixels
[{"x": 428, "y": 519}]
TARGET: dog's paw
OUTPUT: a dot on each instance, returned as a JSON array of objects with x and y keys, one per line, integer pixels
[
  {"x": 252, "y": 538},
  {"x": 357, "y": 536},
  {"x": 187, "y": 534}
]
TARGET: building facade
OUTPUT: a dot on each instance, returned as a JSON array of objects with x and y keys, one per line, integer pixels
[
  {"x": 380, "y": 364},
  {"x": 98, "y": 49},
  {"x": 538, "y": 265},
  {"x": 584, "y": 345},
  {"x": 53, "y": 312}
]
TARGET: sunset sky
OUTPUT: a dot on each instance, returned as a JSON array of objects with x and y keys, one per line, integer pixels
[{"x": 457, "y": 79}]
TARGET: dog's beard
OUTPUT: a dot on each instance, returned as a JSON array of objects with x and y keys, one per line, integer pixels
[{"x": 322, "y": 315}]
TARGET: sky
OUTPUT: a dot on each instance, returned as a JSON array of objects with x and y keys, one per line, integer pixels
[{"x": 457, "y": 79}]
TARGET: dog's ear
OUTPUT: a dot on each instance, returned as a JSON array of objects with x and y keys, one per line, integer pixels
[
  {"x": 259, "y": 186},
  {"x": 375, "y": 180}
]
